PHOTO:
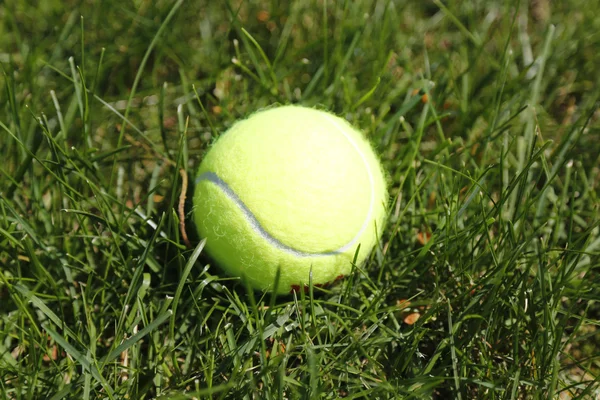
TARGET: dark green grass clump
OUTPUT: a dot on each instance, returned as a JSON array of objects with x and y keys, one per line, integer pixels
[{"x": 485, "y": 284}]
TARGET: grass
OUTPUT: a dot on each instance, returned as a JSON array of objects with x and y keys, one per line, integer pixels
[{"x": 486, "y": 118}]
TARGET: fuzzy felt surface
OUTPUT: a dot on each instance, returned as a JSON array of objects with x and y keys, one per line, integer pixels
[{"x": 291, "y": 188}]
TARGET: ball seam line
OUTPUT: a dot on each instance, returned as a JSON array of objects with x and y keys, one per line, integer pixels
[{"x": 251, "y": 219}]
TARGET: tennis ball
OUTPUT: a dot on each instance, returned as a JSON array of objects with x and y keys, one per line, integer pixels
[{"x": 290, "y": 188}]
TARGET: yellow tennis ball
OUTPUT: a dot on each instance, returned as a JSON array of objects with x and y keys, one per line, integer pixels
[{"x": 290, "y": 188}]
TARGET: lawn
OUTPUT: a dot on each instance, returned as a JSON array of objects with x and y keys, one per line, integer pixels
[{"x": 485, "y": 283}]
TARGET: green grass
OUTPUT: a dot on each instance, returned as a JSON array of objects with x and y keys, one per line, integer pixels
[{"x": 103, "y": 102}]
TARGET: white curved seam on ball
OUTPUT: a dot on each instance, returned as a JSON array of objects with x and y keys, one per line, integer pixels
[
  {"x": 221, "y": 184},
  {"x": 365, "y": 224}
]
